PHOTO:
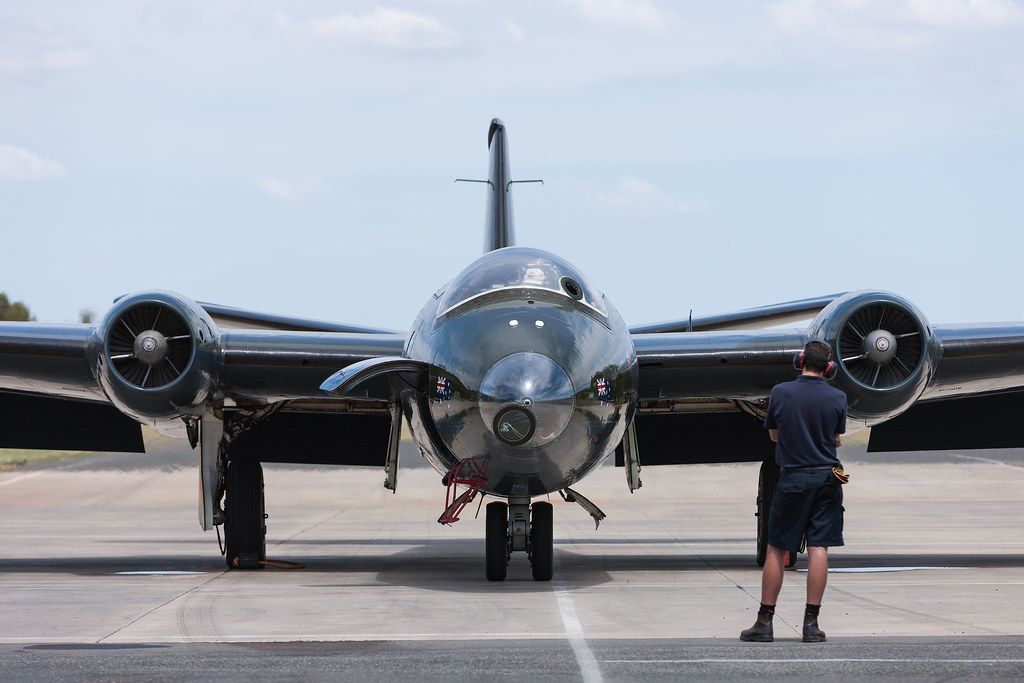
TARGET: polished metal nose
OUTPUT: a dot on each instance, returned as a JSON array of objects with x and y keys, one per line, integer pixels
[{"x": 526, "y": 399}]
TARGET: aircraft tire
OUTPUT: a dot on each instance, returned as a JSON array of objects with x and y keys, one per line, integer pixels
[
  {"x": 497, "y": 541},
  {"x": 245, "y": 528},
  {"x": 542, "y": 541},
  {"x": 768, "y": 478}
]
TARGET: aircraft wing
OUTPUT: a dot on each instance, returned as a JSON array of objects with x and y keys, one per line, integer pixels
[
  {"x": 72, "y": 387},
  {"x": 702, "y": 394},
  {"x": 747, "y": 319}
]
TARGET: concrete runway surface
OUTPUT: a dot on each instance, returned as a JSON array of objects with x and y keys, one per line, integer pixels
[{"x": 104, "y": 574}]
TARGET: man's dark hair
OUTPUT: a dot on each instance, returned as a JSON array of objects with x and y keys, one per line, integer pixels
[{"x": 817, "y": 354}]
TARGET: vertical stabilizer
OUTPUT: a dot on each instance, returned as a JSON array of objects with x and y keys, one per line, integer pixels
[{"x": 500, "y": 228}]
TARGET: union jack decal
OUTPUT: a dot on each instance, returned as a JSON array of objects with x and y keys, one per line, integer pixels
[
  {"x": 604, "y": 388},
  {"x": 444, "y": 388}
]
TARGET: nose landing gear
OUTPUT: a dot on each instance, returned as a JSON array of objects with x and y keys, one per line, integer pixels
[{"x": 519, "y": 526}]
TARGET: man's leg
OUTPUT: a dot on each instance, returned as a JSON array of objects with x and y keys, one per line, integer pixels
[
  {"x": 817, "y": 576},
  {"x": 771, "y": 577},
  {"x": 771, "y": 584},
  {"x": 817, "y": 573}
]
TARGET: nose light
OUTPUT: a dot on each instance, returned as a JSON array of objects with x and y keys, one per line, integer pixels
[{"x": 514, "y": 425}]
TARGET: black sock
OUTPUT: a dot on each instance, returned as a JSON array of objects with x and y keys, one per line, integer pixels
[
  {"x": 766, "y": 611},
  {"x": 812, "y": 610}
]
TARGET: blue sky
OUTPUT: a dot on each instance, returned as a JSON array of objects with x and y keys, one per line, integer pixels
[{"x": 298, "y": 157}]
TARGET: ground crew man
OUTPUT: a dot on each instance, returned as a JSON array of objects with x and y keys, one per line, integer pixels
[{"x": 805, "y": 418}]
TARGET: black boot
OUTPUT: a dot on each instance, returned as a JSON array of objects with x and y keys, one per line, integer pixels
[
  {"x": 812, "y": 634},
  {"x": 761, "y": 631}
]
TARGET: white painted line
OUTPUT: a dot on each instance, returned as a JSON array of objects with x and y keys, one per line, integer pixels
[
  {"x": 809, "y": 660},
  {"x": 287, "y": 637},
  {"x": 990, "y": 461},
  {"x": 877, "y": 570},
  {"x": 159, "y": 572},
  {"x": 36, "y": 473},
  {"x": 585, "y": 658}
]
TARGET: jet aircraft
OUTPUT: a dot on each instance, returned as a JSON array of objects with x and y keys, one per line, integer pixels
[{"x": 516, "y": 380}]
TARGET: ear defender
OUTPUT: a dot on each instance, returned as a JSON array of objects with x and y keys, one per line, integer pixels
[{"x": 831, "y": 369}]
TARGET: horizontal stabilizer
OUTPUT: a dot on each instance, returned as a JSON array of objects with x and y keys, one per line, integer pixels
[{"x": 752, "y": 318}]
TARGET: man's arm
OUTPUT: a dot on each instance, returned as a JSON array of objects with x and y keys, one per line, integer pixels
[
  {"x": 770, "y": 423},
  {"x": 774, "y": 434},
  {"x": 841, "y": 426}
]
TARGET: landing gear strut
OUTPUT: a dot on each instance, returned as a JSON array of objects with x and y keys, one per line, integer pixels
[
  {"x": 245, "y": 528},
  {"x": 767, "y": 480},
  {"x": 520, "y": 526}
]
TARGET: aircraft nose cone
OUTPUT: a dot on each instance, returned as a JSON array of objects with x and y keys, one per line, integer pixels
[{"x": 526, "y": 399}]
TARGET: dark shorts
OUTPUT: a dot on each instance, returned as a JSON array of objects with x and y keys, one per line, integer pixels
[{"x": 808, "y": 504}]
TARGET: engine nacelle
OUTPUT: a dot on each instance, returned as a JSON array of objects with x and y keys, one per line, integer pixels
[
  {"x": 885, "y": 352},
  {"x": 157, "y": 356}
]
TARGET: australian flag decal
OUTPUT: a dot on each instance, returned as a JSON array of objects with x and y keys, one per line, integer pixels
[
  {"x": 604, "y": 389},
  {"x": 444, "y": 388}
]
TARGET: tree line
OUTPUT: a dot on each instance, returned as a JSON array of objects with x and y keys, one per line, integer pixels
[{"x": 18, "y": 311}]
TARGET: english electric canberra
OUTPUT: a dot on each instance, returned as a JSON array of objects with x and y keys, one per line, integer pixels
[{"x": 516, "y": 380}]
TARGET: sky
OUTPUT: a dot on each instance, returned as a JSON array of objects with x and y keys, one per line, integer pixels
[{"x": 298, "y": 157}]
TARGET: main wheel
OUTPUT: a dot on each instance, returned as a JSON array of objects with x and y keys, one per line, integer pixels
[
  {"x": 497, "y": 541},
  {"x": 542, "y": 541},
  {"x": 766, "y": 482},
  {"x": 245, "y": 527}
]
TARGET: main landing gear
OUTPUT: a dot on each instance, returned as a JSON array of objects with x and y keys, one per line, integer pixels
[
  {"x": 245, "y": 527},
  {"x": 768, "y": 478},
  {"x": 517, "y": 525}
]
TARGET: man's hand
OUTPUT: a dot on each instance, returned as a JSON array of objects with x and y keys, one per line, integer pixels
[{"x": 839, "y": 440}]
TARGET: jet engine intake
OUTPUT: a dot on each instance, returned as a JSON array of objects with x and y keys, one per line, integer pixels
[
  {"x": 885, "y": 352},
  {"x": 157, "y": 357}
]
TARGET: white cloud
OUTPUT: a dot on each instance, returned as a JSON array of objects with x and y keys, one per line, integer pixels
[
  {"x": 47, "y": 60},
  {"x": 639, "y": 198},
  {"x": 292, "y": 190},
  {"x": 17, "y": 164},
  {"x": 892, "y": 23},
  {"x": 641, "y": 15},
  {"x": 383, "y": 27},
  {"x": 516, "y": 33}
]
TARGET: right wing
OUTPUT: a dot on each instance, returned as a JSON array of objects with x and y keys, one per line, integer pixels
[
  {"x": 228, "y": 317},
  {"x": 91, "y": 375}
]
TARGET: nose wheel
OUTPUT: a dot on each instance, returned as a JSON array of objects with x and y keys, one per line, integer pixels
[
  {"x": 508, "y": 531},
  {"x": 498, "y": 551}
]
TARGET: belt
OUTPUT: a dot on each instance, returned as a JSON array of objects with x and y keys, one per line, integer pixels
[{"x": 807, "y": 468}]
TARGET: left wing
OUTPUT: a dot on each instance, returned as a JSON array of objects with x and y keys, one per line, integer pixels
[{"x": 702, "y": 394}]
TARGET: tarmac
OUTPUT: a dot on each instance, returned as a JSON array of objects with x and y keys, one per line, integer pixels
[{"x": 105, "y": 574}]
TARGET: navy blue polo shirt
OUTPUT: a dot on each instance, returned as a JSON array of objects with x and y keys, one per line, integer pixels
[{"x": 808, "y": 414}]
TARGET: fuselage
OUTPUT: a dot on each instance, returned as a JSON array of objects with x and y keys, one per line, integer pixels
[{"x": 532, "y": 374}]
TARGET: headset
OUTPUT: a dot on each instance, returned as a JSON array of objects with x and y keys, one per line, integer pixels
[{"x": 830, "y": 367}]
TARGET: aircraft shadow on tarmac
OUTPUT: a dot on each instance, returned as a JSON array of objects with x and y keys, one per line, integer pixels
[{"x": 451, "y": 564}]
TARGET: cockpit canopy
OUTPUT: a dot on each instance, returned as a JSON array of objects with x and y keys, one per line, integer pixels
[{"x": 511, "y": 270}]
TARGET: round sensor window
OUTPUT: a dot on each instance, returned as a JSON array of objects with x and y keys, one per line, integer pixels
[{"x": 514, "y": 425}]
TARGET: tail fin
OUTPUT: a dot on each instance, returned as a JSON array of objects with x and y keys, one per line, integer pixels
[{"x": 500, "y": 228}]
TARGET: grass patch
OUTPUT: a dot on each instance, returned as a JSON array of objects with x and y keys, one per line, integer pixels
[{"x": 13, "y": 458}]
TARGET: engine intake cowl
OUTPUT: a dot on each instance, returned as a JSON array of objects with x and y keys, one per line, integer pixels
[
  {"x": 885, "y": 352},
  {"x": 157, "y": 356}
]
